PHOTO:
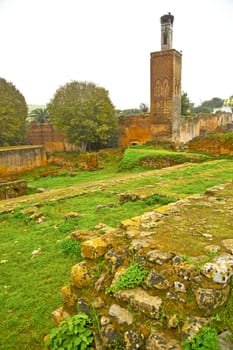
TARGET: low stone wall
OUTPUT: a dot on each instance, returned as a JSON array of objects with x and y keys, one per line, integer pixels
[
  {"x": 12, "y": 189},
  {"x": 14, "y": 160},
  {"x": 179, "y": 294}
]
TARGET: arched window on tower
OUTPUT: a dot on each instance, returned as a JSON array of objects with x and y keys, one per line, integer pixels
[{"x": 165, "y": 38}]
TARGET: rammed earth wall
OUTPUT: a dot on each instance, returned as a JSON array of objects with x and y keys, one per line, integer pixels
[
  {"x": 134, "y": 129},
  {"x": 221, "y": 144},
  {"x": 46, "y": 135},
  {"x": 15, "y": 160},
  {"x": 137, "y": 129}
]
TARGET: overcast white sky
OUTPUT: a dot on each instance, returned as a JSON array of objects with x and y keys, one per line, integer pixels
[{"x": 47, "y": 43}]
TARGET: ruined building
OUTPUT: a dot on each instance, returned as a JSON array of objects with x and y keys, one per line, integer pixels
[
  {"x": 165, "y": 94},
  {"x": 165, "y": 76},
  {"x": 163, "y": 121}
]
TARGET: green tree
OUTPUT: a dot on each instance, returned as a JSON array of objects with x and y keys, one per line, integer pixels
[
  {"x": 215, "y": 102},
  {"x": 84, "y": 112},
  {"x": 208, "y": 106},
  {"x": 13, "y": 114},
  {"x": 186, "y": 105},
  {"x": 229, "y": 102},
  {"x": 38, "y": 114}
]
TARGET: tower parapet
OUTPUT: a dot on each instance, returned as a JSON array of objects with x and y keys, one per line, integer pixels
[{"x": 166, "y": 31}]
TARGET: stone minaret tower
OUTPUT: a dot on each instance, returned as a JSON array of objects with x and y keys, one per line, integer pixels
[
  {"x": 166, "y": 31},
  {"x": 165, "y": 74}
]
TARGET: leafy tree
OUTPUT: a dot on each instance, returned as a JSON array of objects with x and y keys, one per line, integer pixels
[
  {"x": 129, "y": 111},
  {"x": 13, "y": 114},
  {"x": 229, "y": 102},
  {"x": 84, "y": 112},
  {"x": 38, "y": 114},
  {"x": 185, "y": 104},
  {"x": 209, "y": 105},
  {"x": 215, "y": 102}
]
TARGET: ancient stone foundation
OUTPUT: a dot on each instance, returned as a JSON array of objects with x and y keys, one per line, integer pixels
[
  {"x": 12, "y": 189},
  {"x": 179, "y": 295}
]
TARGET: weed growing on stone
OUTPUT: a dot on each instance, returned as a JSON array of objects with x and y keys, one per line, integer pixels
[
  {"x": 132, "y": 277},
  {"x": 72, "y": 333},
  {"x": 100, "y": 267},
  {"x": 223, "y": 318},
  {"x": 208, "y": 258},
  {"x": 95, "y": 318},
  {"x": 206, "y": 339}
]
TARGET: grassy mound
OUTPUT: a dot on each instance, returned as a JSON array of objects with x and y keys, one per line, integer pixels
[{"x": 146, "y": 157}]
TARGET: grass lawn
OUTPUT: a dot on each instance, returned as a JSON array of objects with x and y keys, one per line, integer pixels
[{"x": 30, "y": 284}]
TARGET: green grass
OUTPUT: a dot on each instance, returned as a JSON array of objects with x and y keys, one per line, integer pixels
[
  {"x": 190, "y": 179},
  {"x": 30, "y": 285},
  {"x": 65, "y": 180}
]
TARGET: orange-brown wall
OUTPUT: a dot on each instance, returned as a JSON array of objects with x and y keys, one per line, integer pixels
[
  {"x": 218, "y": 145},
  {"x": 46, "y": 135},
  {"x": 15, "y": 160},
  {"x": 134, "y": 129},
  {"x": 142, "y": 128}
]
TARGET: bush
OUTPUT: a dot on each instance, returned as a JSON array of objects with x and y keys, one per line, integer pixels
[
  {"x": 158, "y": 199},
  {"x": 72, "y": 333}
]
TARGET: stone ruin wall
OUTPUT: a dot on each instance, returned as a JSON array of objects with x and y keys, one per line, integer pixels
[
  {"x": 12, "y": 189},
  {"x": 217, "y": 146},
  {"x": 202, "y": 124},
  {"x": 135, "y": 129},
  {"x": 46, "y": 135},
  {"x": 139, "y": 129},
  {"x": 15, "y": 160}
]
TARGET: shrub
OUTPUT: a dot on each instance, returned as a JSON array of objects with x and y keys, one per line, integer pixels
[
  {"x": 156, "y": 198},
  {"x": 72, "y": 333}
]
